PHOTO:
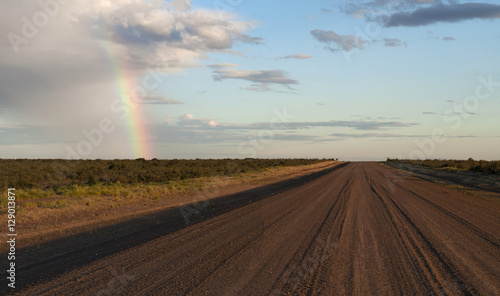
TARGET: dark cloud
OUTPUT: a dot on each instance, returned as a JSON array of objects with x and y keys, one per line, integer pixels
[
  {"x": 444, "y": 13},
  {"x": 448, "y": 38},
  {"x": 344, "y": 42}
]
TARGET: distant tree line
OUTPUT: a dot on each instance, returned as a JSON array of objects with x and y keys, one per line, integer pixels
[
  {"x": 44, "y": 173},
  {"x": 490, "y": 167}
]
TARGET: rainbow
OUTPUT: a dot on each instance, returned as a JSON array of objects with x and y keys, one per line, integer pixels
[{"x": 137, "y": 131}]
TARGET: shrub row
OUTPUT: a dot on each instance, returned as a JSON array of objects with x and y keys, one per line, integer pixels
[
  {"x": 44, "y": 173},
  {"x": 490, "y": 167}
]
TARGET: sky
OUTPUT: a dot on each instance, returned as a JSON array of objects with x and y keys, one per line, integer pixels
[{"x": 354, "y": 80}]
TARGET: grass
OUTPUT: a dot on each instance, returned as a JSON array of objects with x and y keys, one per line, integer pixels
[
  {"x": 71, "y": 193},
  {"x": 116, "y": 192},
  {"x": 490, "y": 167},
  {"x": 61, "y": 174},
  {"x": 464, "y": 190},
  {"x": 46, "y": 183}
]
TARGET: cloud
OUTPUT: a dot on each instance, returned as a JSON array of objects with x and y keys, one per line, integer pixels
[
  {"x": 188, "y": 120},
  {"x": 182, "y": 4},
  {"x": 261, "y": 76},
  {"x": 64, "y": 73},
  {"x": 137, "y": 35},
  {"x": 158, "y": 100},
  {"x": 386, "y": 135},
  {"x": 189, "y": 129},
  {"x": 359, "y": 125},
  {"x": 322, "y": 11},
  {"x": 356, "y": 11},
  {"x": 29, "y": 135},
  {"x": 444, "y": 13},
  {"x": 370, "y": 9},
  {"x": 325, "y": 11},
  {"x": 250, "y": 39},
  {"x": 392, "y": 42},
  {"x": 344, "y": 42},
  {"x": 375, "y": 135},
  {"x": 355, "y": 124},
  {"x": 222, "y": 65},
  {"x": 265, "y": 87},
  {"x": 448, "y": 38},
  {"x": 460, "y": 113},
  {"x": 297, "y": 56},
  {"x": 262, "y": 79}
]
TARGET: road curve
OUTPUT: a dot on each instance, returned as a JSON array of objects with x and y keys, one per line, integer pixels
[{"x": 362, "y": 229}]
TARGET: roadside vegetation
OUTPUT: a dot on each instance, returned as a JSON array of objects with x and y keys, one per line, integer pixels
[
  {"x": 56, "y": 183},
  {"x": 490, "y": 167}
]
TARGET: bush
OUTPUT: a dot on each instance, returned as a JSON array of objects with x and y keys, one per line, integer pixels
[
  {"x": 62, "y": 176},
  {"x": 490, "y": 167}
]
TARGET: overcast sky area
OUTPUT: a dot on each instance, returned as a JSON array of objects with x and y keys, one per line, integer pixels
[{"x": 354, "y": 80}]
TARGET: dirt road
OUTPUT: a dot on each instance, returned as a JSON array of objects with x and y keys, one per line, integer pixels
[{"x": 361, "y": 229}]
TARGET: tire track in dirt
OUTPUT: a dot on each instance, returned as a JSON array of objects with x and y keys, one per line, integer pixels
[{"x": 420, "y": 207}]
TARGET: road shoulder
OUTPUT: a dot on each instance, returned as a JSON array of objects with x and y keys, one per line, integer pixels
[{"x": 477, "y": 184}]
